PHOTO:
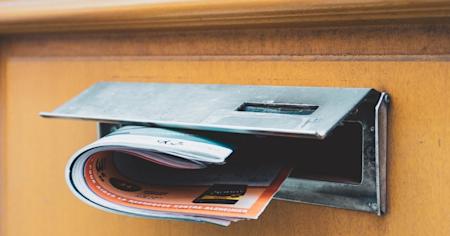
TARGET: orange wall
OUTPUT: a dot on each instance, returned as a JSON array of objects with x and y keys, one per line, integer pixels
[{"x": 37, "y": 202}]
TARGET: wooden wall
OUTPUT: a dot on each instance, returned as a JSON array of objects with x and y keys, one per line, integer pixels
[{"x": 409, "y": 60}]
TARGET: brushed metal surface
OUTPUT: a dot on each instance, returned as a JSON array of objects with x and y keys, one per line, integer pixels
[{"x": 214, "y": 107}]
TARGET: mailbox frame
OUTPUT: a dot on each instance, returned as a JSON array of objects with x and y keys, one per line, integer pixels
[{"x": 311, "y": 112}]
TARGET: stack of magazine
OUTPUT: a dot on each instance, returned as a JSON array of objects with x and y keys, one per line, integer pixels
[{"x": 160, "y": 173}]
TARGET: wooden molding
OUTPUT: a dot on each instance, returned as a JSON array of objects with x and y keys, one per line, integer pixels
[{"x": 70, "y": 15}]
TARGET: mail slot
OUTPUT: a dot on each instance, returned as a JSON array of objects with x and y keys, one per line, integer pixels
[{"x": 334, "y": 138}]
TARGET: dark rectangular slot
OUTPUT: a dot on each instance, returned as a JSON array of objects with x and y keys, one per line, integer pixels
[
  {"x": 337, "y": 158},
  {"x": 279, "y": 108}
]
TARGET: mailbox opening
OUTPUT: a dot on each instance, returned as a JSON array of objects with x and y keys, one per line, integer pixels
[
  {"x": 337, "y": 158},
  {"x": 333, "y": 138}
]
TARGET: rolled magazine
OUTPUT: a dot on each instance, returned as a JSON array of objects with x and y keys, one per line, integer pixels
[{"x": 160, "y": 173}]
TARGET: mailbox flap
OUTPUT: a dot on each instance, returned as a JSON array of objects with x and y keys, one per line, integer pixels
[{"x": 276, "y": 110}]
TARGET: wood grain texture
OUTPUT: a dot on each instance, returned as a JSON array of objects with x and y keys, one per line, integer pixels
[
  {"x": 70, "y": 15},
  {"x": 40, "y": 71},
  {"x": 372, "y": 40},
  {"x": 3, "y": 175},
  {"x": 38, "y": 149}
]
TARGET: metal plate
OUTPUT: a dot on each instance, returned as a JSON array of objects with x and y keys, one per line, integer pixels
[
  {"x": 367, "y": 195},
  {"x": 291, "y": 111},
  {"x": 310, "y": 112}
]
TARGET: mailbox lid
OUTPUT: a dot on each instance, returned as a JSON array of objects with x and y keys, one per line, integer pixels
[{"x": 276, "y": 110}]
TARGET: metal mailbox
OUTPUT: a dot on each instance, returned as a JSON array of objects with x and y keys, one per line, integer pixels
[{"x": 335, "y": 137}]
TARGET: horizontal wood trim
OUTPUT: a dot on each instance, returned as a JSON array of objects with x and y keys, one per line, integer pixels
[
  {"x": 70, "y": 15},
  {"x": 361, "y": 40}
]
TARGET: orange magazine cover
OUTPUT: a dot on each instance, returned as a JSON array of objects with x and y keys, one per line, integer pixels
[{"x": 233, "y": 201}]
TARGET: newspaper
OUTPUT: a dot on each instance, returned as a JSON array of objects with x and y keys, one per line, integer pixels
[{"x": 160, "y": 173}]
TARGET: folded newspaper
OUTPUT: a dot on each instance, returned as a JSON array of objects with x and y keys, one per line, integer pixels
[{"x": 160, "y": 173}]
